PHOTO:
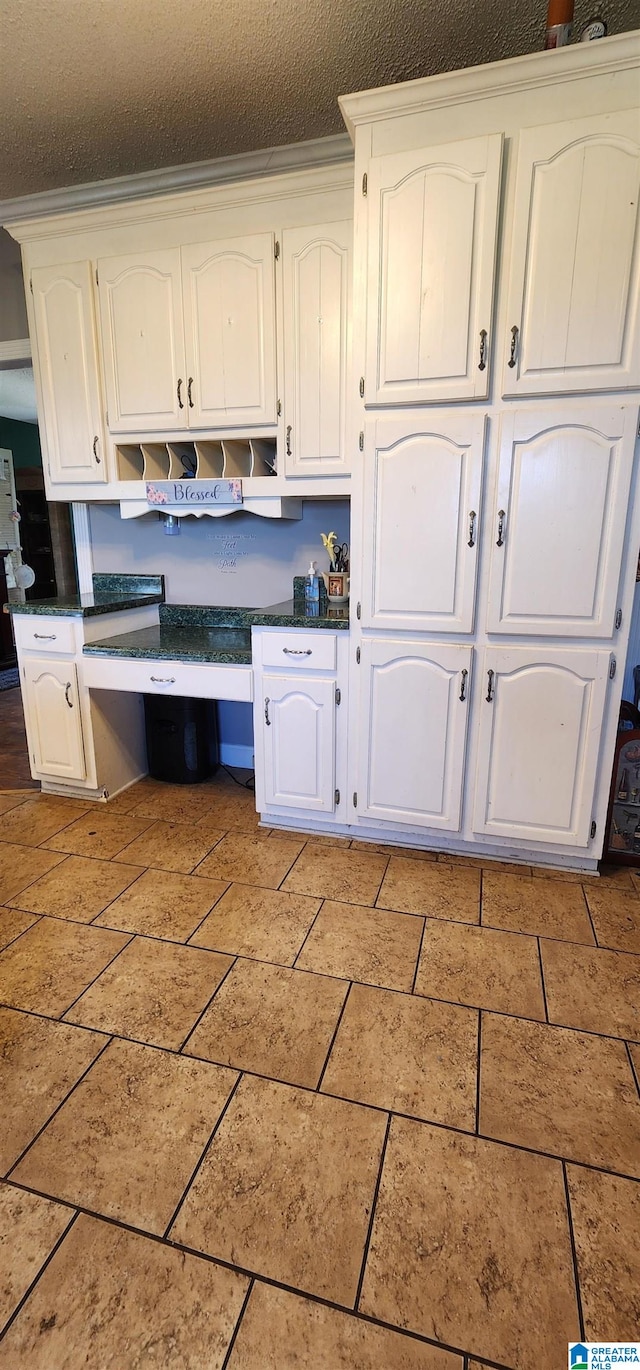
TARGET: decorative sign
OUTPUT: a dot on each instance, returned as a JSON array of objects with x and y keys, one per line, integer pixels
[{"x": 192, "y": 494}]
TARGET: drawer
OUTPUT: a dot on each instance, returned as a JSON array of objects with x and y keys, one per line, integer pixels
[
  {"x": 44, "y": 633},
  {"x": 198, "y": 680},
  {"x": 314, "y": 651}
]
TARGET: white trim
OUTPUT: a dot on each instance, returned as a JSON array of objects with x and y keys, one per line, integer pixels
[
  {"x": 237, "y": 754},
  {"x": 195, "y": 175},
  {"x": 18, "y": 350},
  {"x": 84, "y": 550}
]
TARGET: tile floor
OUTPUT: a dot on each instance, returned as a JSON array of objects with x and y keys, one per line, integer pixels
[{"x": 272, "y": 1102}]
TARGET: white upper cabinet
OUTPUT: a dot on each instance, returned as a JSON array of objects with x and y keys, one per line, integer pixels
[
  {"x": 52, "y": 717},
  {"x": 422, "y": 489},
  {"x": 230, "y": 331},
  {"x": 432, "y": 248},
  {"x": 316, "y": 266},
  {"x": 299, "y": 743},
  {"x": 71, "y": 423},
  {"x": 573, "y": 291},
  {"x": 558, "y": 533},
  {"x": 143, "y": 341},
  {"x": 413, "y": 721},
  {"x": 540, "y": 724}
]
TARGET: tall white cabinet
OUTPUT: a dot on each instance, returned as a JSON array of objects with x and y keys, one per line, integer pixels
[{"x": 497, "y": 520}]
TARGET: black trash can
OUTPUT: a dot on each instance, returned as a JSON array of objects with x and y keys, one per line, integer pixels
[{"x": 182, "y": 738}]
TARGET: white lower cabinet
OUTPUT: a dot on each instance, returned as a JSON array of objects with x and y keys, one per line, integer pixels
[
  {"x": 299, "y": 742},
  {"x": 413, "y": 722},
  {"x": 52, "y": 717},
  {"x": 541, "y": 718}
]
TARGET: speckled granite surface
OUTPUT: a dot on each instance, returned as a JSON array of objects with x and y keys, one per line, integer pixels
[
  {"x": 229, "y": 646},
  {"x": 293, "y": 613},
  {"x": 111, "y": 593}
]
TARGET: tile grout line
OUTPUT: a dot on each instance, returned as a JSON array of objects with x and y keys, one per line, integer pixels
[
  {"x": 214, "y": 905},
  {"x": 477, "y": 1126},
  {"x": 307, "y": 935},
  {"x": 28, "y": 1292},
  {"x": 205, "y": 1151},
  {"x": 634, "y": 1072},
  {"x": 544, "y": 990},
  {"x": 61, "y": 1017},
  {"x": 589, "y": 915},
  {"x": 374, "y": 1203},
  {"x": 417, "y": 967},
  {"x": 208, "y": 1004},
  {"x": 13, "y": 1166},
  {"x": 574, "y": 1254},
  {"x": 333, "y": 1038},
  {"x": 239, "y": 1321},
  {"x": 38, "y": 919}
]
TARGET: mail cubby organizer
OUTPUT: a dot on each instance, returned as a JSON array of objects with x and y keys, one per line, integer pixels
[{"x": 204, "y": 459}]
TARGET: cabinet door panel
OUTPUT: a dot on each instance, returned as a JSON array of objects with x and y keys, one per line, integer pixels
[
  {"x": 413, "y": 727},
  {"x": 432, "y": 245},
  {"x": 563, "y": 491},
  {"x": 229, "y": 301},
  {"x": 422, "y": 490},
  {"x": 71, "y": 424},
  {"x": 316, "y": 266},
  {"x": 143, "y": 343},
  {"x": 573, "y": 292},
  {"x": 299, "y": 743},
  {"x": 52, "y": 716},
  {"x": 538, "y": 743}
]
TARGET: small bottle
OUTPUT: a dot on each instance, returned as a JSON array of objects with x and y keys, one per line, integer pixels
[
  {"x": 312, "y": 591},
  {"x": 559, "y": 23},
  {"x": 635, "y": 846},
  {"x": 623, "y": 790}
]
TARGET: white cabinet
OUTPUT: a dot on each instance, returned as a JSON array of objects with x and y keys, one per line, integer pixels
[
  {"x": 316, "y": 267},
  {"x": 71, "y": 424},
  {"x": 413, "y": 721},
  {"x": 562, "y": 498},
  {"x": 299, "y": 742},
  {"x": 432, "y": 225},
  {"x": 188, "y": 336},
  {"x": 539, "y": 736},
  {"x": 52, "y": 717},
  {"x": 573, "y": 291},
  {"x": 422, "y": 492}
]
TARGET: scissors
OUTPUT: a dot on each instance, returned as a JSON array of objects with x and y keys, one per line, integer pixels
[{"x": 341, "y": 556}]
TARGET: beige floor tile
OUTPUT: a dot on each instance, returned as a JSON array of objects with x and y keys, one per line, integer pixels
[
  {"x": 79, "y": 888},
  {"x": 470, "y": 1245},
  {"x": 252, "y": 859},
  {"x": 441, "y": 891},
  {"x": 386, "y": 849},
  {"x": 549, "y": 908},
  {"x": 408, "y": 1055},
  {"x": 171, "y": 847},
  {"x": 52, "y": 963},
  {"x": 272, "y": 1021},
  {"x": 351, "y": 876},
  {"x": 13, "y": 922},
  {"x": 20, "y": 866},
  {"x": 163, "y": 904},
  {"x": 267, "y": 924},
  {"x": 232, "y": 807},
  {"x": 634, "y": 1051},
  {"x": 114, "y": 1299},
  {"x": 481, "y": 966},
  {"x": 538, "y": 1085},
  {"x": 591, "y": 989},
  {"x": 99, "y": 833},
  {"x": 126, "y": 1141},
  {"x": 29, "y": 1229},
  {"x": 11, "y": 799},
  {"x": 40, "y": 1062},
  {"x": 314, "y": 839},
  {"x": 285, "y": 1331},
  {"x": 635, "y": 881},
  {"x": 38, "y": 819},
  {"x": 606, "y": 1222},
  {"x": 356, "y": 943},
  {"x": 286, "y": 1188},
  {"x": 154, "y": 992},
  {"x": 616, "y": 918},
  {"x": 622, "y": 877},
  {"x": 175, "y": 803}
]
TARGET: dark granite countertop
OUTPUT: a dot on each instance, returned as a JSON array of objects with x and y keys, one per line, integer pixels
[
  {"x": 110, "y": 595},
  {"x": 230, "y": 646},
  {"x": 293, "y": 613}
]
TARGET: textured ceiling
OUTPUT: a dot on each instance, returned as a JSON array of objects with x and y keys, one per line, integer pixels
[{"x": 91, "y": 89}]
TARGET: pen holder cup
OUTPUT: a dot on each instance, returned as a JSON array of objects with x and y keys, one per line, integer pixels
[{"x": 337, "y": 583}]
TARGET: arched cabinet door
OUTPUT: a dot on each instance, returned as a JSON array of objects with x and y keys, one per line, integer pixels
[
  {"x": 432, "y": 248},
  {"x": 298, "y": 733},
  {"x": 143, "y": 341},
  {"x": 540, "y": 724},
  {"x": 558, "y": 526},
  {"x": 413, "y": 723},
  {"x": 52, "y": 717},
  {"x": 573, "y": 292},
  {"x": 67, "y": 369}
]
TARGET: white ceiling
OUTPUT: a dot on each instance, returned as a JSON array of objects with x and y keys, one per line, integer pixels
[
  {"x": 91, "y": 89},
  {"x": 18, "y": 394}
]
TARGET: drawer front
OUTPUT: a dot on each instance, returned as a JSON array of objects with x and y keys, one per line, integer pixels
[
  {"x": 200, "y": 681},
  {"x": 303, "y": 651},
  {"x": 43, "y": 634}
]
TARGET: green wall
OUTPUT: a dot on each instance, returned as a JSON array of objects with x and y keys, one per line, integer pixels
[{"x": 24, "y": 441}]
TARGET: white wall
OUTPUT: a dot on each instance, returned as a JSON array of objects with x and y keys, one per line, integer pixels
[
  {"x": 13, "y": 312},
  {"x": 240, "y": 559}
]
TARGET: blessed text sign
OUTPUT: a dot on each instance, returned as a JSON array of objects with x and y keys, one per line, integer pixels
[{"x": 191, "y": 494}]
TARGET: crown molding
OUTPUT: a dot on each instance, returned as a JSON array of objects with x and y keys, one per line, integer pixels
[{"x": 16, "y": 351}]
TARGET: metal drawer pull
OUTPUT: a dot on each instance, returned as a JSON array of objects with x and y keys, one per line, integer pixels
[
  {"x": 189, "y": 388},
  {"x": 95, "y": 449},
  {"x": 483, "y": 350},
  {"x": 67, "y": 688},
  {"x": 179, "y": 394},
  {"x": 163, "y": 679},
  {"x": 472, "y": 528},
  {"x": 490, "y": 675},
  {"x": 46, "y": 637},
  {"x": 298, "y": 651},
  {"x": 266, "y": 712},
  {"x": 514, "y": 346},
  {"x": 501, "y": 519},
  {"x": 463, "y": 685},
  {"x": 289, "y": 440}
]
